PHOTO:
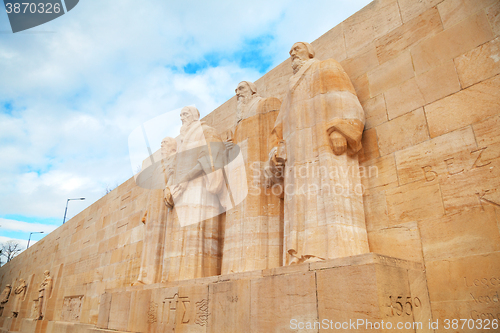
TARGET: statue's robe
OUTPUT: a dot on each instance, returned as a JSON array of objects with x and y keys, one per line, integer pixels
[
  {"x": 324, "y": 216},
  {"x": 20, "y": 292},
  {"x": 192, "y": 235},
  {"x": 253, "y": 228}
]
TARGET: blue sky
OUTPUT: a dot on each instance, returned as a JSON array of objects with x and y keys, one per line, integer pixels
[{"x": 74, "y": 89}]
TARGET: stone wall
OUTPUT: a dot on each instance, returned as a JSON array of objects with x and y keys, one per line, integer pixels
[{"x": 427, "y": 74}]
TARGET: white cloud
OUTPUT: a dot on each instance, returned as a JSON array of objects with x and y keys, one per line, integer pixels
[
  {"x": 26, "y": 226},
  {"x": 78, "y": 93}
]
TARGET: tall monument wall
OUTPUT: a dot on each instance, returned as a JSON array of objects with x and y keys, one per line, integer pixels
[{"x": 427, "y": 74}]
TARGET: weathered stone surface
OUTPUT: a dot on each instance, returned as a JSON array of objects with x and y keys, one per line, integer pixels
[
  {"x": 402, "y": 240},
  {"x": 452, "y": 42},
  {"x": 438, "y": 82},
  {"x": 411, "y": 9},
  {"x": 440, "y": 157},
  {"x": 493, "y": 13},
  {"x": 472, "y": 278},
  {"x": 361, "y": 63},
  {"x": 369, "y": 150},
  {"x": 375, "y": 111},
  {"x": 277, "y": 300},
  {"x": 479, "y": 64},
  {"x": 402, "y": 132},
  {"x": 466, "y": 107},
  {"x": 230, "y": 307},
  {"x": 373, "y": 21},
  {"x": 414, "y": 201},
  {"x": 454, "y": 11},
  {"x": 390, "y": 74},
  {"x": 379, "y": 172},
  {"x": 403, "y": 99},
  {"x": 425, "y": 25},
  {"x": 453, "y": 235}
]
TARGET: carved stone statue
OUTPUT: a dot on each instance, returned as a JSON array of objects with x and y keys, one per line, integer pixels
[
  {"x": 44, "y": 292},
  {"x": 155, "y": 216},
  {"x": 197, "y": 195},
  {"x": 319, "y": 129},
  {"x": 20, "y": 292},
  {"x": 252, "y": 238},
  {"x": 4, "y": 297}
]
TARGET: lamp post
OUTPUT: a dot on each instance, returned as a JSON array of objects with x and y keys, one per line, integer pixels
[
  {"x": 36, "y": 232},
  {"x": 64, "y": 219}
]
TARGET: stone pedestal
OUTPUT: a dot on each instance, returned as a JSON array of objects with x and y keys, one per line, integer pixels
[{"x": 359, "y": 293}]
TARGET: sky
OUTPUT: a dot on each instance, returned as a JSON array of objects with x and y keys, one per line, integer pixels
[{"x": 73, "y": 90}]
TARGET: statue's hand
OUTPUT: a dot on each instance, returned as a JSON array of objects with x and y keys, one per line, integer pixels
[
  {"x": 339, "y": 143},
  {"x": 179, "y": 189},
  {"x": 229, "y": 144}
]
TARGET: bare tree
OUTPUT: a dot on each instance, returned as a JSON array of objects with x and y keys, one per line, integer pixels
[{"x": 10, "y": 249}]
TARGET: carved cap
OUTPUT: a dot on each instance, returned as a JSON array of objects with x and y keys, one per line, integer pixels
[
  {"x": 194, "y": 111},
  {"x": 309, "y": 48},
  {"x": 251, "y": 85}
]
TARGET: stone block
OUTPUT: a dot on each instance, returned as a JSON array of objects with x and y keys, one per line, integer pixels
[
  {"x": 404, "y": 98},
  {"x": 466, "y": 107},
  {"x": 375, "y": 20},
  {"x": 472, "y": 278},
  {"x": 138, "y": 320},
  {"x": 230, "y": 307},
  {"x": 438, "y": 82},
  {"x": 277, "y": 300},
  {"x": 400, "y": 241},
  {"x": 402, "y": 132},
  {"x": 460, "y": 234},
  {"x": 414, "y": 201},
  {"x": 360, "y": 64},
  {"x": 487, "y": 134},
  {"x": 425, "y": 25},
  {"x": 411, "y": 9},
  {"x": 455, "y": 11},
  {"x": 365, "y": 294},
  {"x": 479, "y": 64},
  {"x": 452, "y": 42},
  {"x": 437, "y": 158},
  {"x": 390, "y": 74},
  {"x": 119, "y": 311},
  {"x": 375, "y": 111}
]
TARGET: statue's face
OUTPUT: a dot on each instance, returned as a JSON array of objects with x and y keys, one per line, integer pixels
[
  {"x": 243, "y": 90},
  {"x": 299, "y": 50},
  {"x": 186, "y": 116}
]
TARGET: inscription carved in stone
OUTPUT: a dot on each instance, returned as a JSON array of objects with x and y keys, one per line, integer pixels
[
  {"x": 152, "y": 313},
  {"x": 202, "y": 312},
  {"x": 72, "y": 306}
]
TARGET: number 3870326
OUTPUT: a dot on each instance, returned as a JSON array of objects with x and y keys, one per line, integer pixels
[{"x": 26, "y": 7}]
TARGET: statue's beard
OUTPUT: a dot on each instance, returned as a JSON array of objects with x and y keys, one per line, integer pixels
[
  {"x": 185, "y": 126},
  {"x": 242, "y": 104},
  {"x": 297, "y": 63}
]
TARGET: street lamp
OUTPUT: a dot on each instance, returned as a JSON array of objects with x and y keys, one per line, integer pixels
[
  {"x": 64, "y": 220},
  {"x": 36, "y": 232}
]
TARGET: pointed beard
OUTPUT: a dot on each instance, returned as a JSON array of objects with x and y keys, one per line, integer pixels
[
  {"x": 240, "y": 108},
  {"x": 297, "y": 63}
]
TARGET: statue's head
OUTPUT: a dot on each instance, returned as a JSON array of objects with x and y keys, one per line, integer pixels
[
  {"x": 189, "y": 114},
  {"x": 245, "y": 90},
  {"x": 8, "y": 286},
  {"x": 300, "y": 53},
  {"x": 46, "y": 273},
  {"x": 168, "y": 146},
  {"x": 22, "y": 281}
]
